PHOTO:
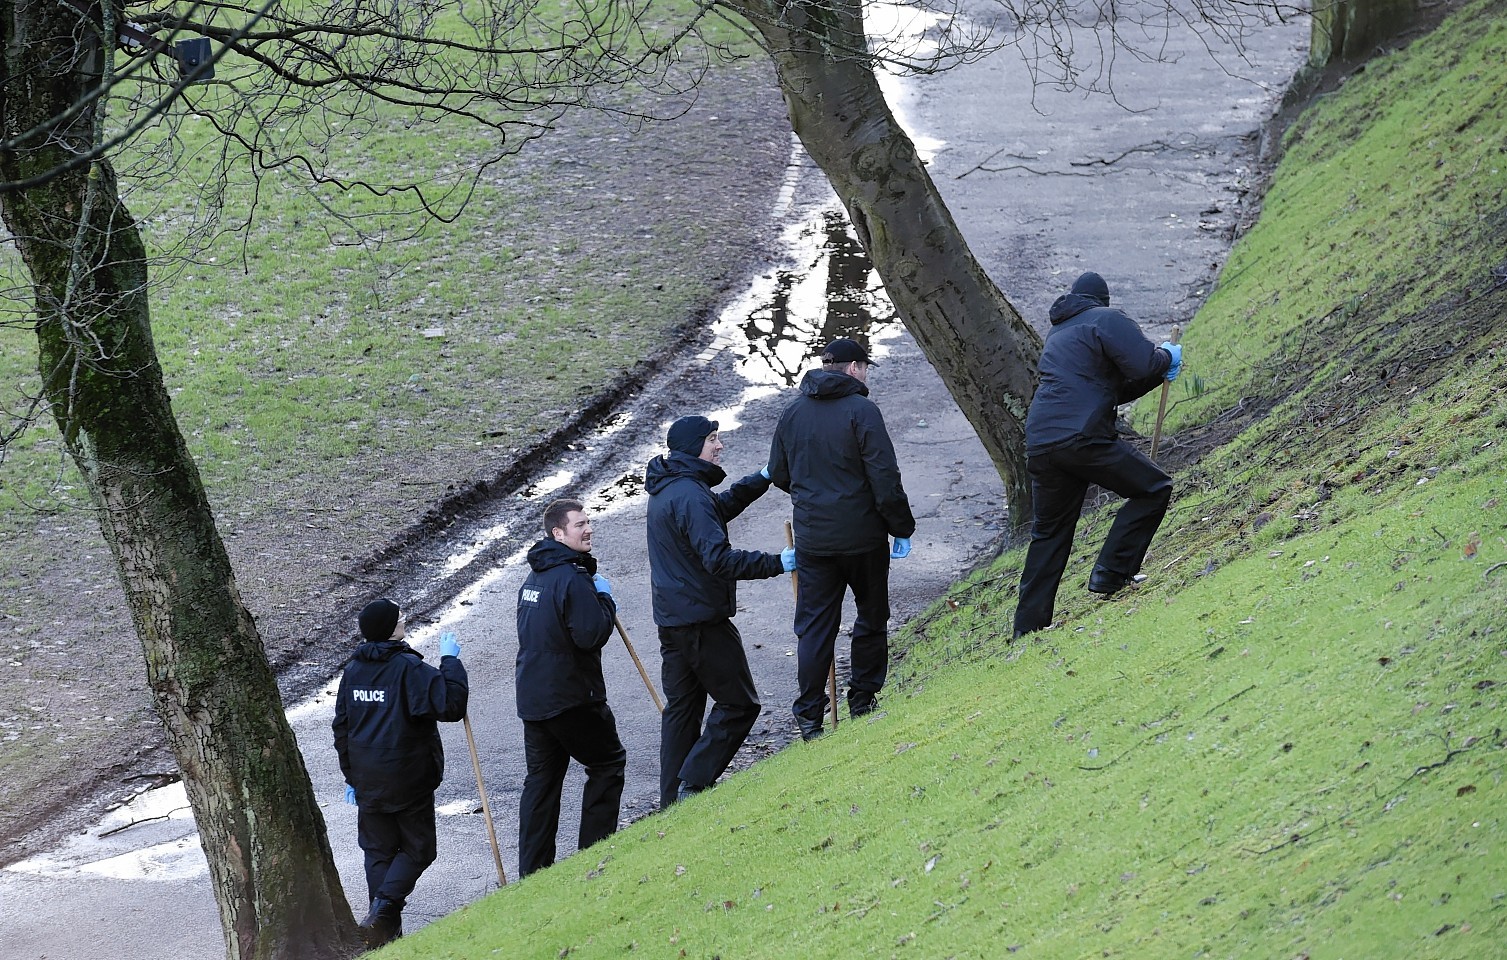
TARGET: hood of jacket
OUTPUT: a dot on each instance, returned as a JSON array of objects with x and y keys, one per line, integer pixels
[
  {"x": 549, "y": 553},
  {"x": 1069, "y": 305},
  {"x": 826, "y": 385},
  {"x": 669, "y": 467},
  {"x": 383, "y": 650}
]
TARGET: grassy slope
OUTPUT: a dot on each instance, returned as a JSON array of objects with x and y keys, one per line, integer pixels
[{"x": 1287, "y": 743}]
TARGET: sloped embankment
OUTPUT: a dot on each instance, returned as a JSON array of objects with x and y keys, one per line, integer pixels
[{"x": 1288, "y": 742}]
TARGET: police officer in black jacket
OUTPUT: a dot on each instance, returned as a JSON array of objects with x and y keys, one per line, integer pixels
[
  {"x": 387, "y": 712},
  {"x": 694, "y": 573},
  {"x": 1095, "y": 358},
  {"x": 834, "y": 456},
  {"x": 565, "y": 618}
]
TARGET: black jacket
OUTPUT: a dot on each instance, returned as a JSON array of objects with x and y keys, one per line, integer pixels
[
  {"x": 693, "y": 570},
  {"x": 387, "y": 714},
  {"x": 1095, "y": 359},
  {"x": 563, "y": 624},
  {"x": 834, "y": 457}
]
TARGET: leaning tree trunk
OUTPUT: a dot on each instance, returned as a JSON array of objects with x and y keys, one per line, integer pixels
[
  {"x": 1351, "y": 29},
  {"x": 263, "y": 834},
  {"x": 982, "y": 349}
]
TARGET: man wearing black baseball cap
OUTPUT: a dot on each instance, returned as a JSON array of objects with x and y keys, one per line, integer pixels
[
  {"x": 833, "y": 455},
  {"x": 693, "y": 574}
]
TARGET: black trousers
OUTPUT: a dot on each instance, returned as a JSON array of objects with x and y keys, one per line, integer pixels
[
  {"x": 399, "y": 847},
  {"x": 588, "y": 735},
  {"x": 1059, "y": 480},
  {"x": 824, "y": 581},
  {"x": 697, "y": 661}
]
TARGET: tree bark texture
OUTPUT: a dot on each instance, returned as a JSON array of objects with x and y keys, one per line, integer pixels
[
  {"x": 263, "y": 834},
  {"x": 982, "y": 349},
  {"x": 1348, "y": 29}
]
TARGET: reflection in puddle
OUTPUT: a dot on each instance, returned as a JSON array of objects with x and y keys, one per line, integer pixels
[{"x": 826, "y": 289}]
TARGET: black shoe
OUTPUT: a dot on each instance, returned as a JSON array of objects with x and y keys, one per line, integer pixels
[
  {"x": 861, "y": 705},
  {"x": 383, "y": 923},
  {"x": 810, "y": 729},
  {"x": 1106, "y": 582},
  {"x": 687, "y": 790}
]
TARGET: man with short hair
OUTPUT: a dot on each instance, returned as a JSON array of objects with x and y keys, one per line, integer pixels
[
  {"x": 1094, "y": 359},
  {"x": 387, "y": 711},
  {"x": 565, "y": 618},
  {"x": 833, "y": 455},
  {"x": 694, "y": 572}
]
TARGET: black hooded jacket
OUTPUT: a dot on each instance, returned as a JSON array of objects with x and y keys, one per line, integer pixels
[
  {"x": 833, "y": 455},
  {"x": 693, "y": 569},
  {"x": 1095, "y": 358},
  {"x": 563, "y": 624},
  {"x": 387, "y": 714}
]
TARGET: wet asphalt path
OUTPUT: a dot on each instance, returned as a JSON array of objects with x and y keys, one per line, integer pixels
[{"x": 1153, "y": 222}]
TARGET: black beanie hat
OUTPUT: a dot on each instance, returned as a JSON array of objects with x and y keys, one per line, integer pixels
[
  {"x": 379, "y": 619},
  {"x": 688, "y": 434},
  {"x": 1092, "y": 285}
]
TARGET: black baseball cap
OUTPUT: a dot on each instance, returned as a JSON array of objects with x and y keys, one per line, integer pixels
[{"x": 843, "y": 350}]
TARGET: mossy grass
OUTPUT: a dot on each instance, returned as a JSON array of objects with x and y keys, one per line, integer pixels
[{"x": 1286, "y": 743}]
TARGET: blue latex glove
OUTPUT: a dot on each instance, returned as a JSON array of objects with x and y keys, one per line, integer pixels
[
  {"x": 350, "y": 794},
  {"x": 601, "y": 584},
  {"x": 1176, "y": 352},
  {"x": 764, "y": 471},
  {"x": 448, "y": 646},
  {"x": 787, "y": 559},
  {"x": 901, "y": 549}
]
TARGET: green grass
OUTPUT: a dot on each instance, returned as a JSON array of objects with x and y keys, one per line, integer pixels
[
  {"x": 1385, "y": 205},
  {"x": 1287, "y": 743}
]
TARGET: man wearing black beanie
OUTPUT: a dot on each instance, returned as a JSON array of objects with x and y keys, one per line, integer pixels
[
  {"x": 694, "y": 573},
  {"x": 1095, "y": 358},
  {"x": 387, "y": 712}
]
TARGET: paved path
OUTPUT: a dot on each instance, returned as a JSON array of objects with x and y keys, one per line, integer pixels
[{"x": 1033, "y": 219}]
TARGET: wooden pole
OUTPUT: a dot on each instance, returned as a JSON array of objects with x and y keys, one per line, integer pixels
[
  {"x": 486, "y": 808},
  {"x": 658, "y": 703},
  {"x": 1161, "y": 413}
]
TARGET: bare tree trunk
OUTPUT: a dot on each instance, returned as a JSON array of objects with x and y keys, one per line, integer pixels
[
  {"x": 982, "y": 349},
  {"x": 1349, "y": 29},
  {"x": 263, "y": 834}
]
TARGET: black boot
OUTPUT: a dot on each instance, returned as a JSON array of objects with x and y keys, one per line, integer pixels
[
  {"x": 383, "y": 923},
  {"x": 810, "y": 729},
  {"x": 1106, "y": 582},
  {"x": 687, "y": 790}
]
